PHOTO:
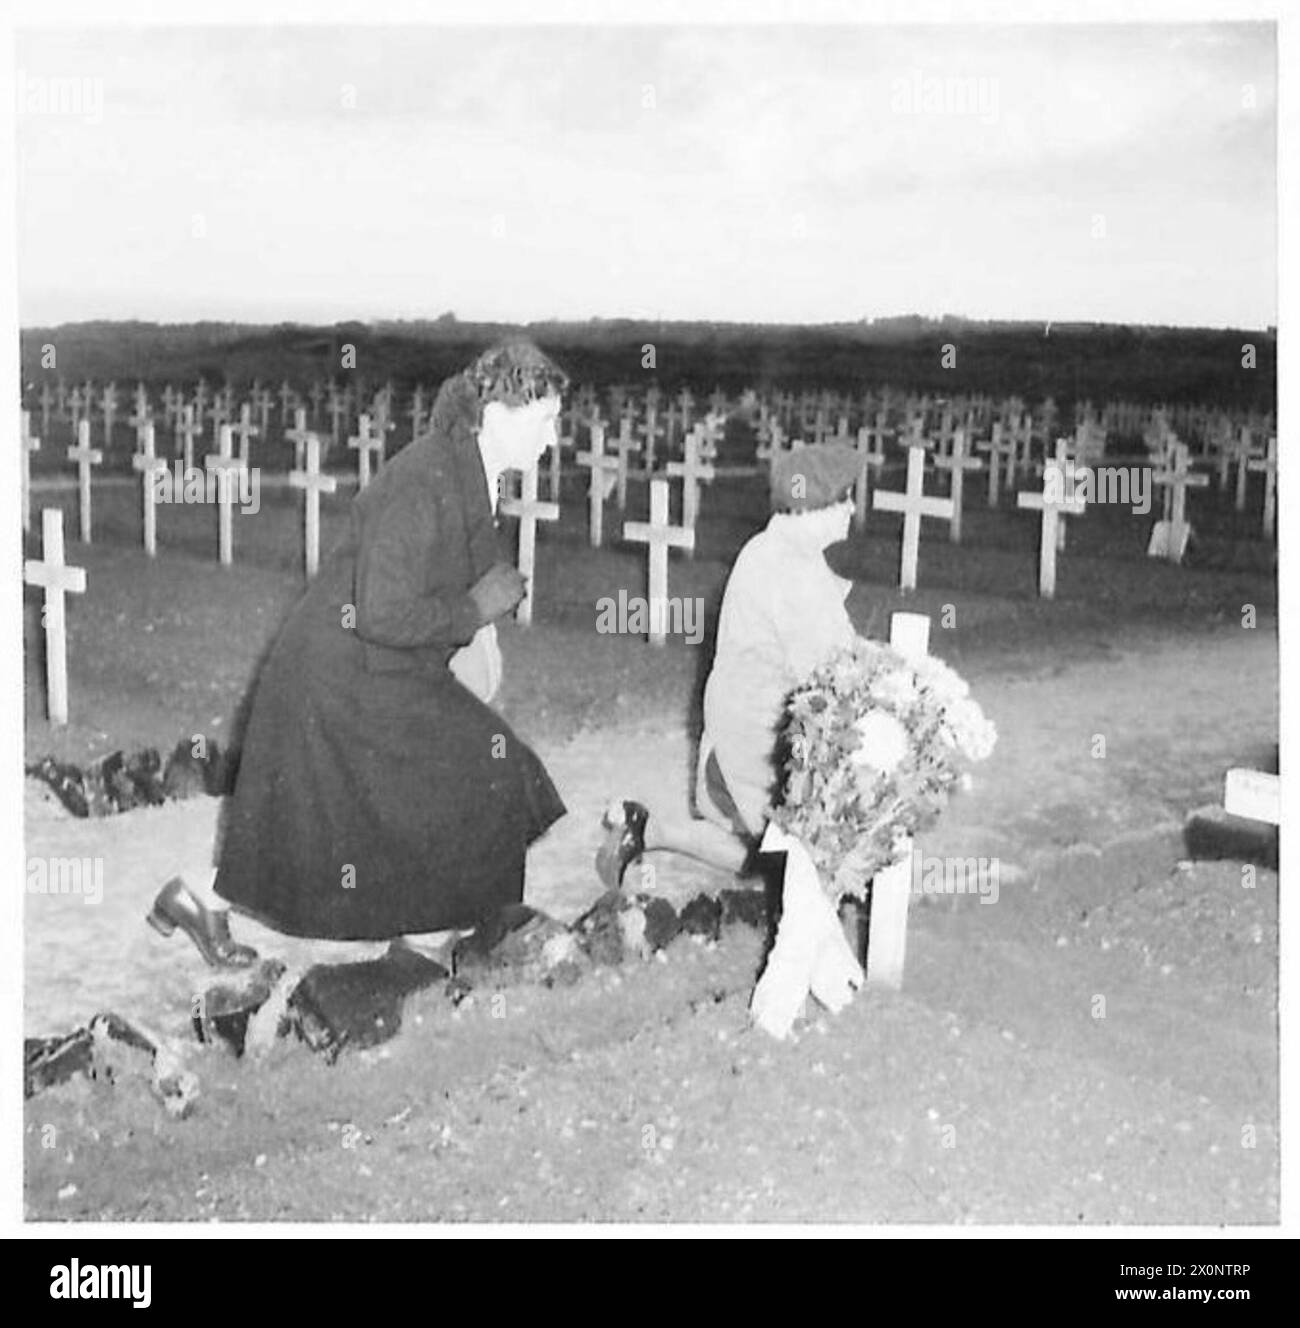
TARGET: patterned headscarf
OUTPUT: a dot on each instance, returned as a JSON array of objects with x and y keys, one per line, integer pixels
[{"x": 516, "y": 373}]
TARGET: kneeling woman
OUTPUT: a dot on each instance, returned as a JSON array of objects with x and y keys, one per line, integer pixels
[{"x": 378, "y": 794}]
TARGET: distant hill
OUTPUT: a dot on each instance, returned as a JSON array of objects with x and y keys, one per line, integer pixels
[{"x": 1070, "y": 360}]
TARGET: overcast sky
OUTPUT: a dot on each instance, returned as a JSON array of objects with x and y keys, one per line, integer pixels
[{"x": 780, "y": 174}]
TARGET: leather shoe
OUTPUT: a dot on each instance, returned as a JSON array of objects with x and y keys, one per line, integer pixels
[
  {"x": 209, "y": 929},
  {"x": 624, "y": 842}
]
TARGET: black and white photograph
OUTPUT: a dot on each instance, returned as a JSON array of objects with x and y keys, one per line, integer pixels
[{"x": 648, "y": 619}]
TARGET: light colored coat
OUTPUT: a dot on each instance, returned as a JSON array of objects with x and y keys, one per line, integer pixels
[{"x": 782, "y": 614}]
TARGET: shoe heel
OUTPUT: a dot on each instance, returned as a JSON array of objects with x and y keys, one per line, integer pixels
[{"x": 159, "y": 922}]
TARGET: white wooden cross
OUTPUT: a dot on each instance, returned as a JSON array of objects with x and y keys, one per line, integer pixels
[
  {"x": 185, "y": 432},
  {"x": 1268, "y": 464},
  {"x": 298, "y": 435},
  {"x": 287, "y": 398},
  {"x": 148, "y": 463},
  {"x": 529, "y": 511},
  {"x": 338, "y": 408},
  {"x": 1176, "y": 479},
  {"x": 870, "y": 448},
  {"x": 1054, "y": 503},
  {"x": 262, "y": 401},
  {"x": 313, "y": 484},
  {"x": 997, "y": 447},
  {"x": 957, "y": 463},
  {"x": 85, "y": 456},
  {"x": 46, "y": 403},
  {"x": 914, "y": 505},
  {"x": 657, "y": 534},
  {"x": 57, "y": 579},
  {"x": 363, "y": 443},
  {"x": 227, "y": 468},
  {"x": 142, "y": 417},
  {"x": 246, "y": 430},
  {"x": 109, "y": 406},
  {"x": 30, "y": 444},
  {"x": 624, "y": 445},
  {"x": 693, "y": 472},
  {"x": 604, "y": 469}
]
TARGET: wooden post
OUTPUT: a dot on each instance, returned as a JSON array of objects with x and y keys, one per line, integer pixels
[
  {"x": 1053, "y": 508},
  {"x": 313, "y": 484},
  {"x": 85, "y": 456},
  {"x": 148, "y": 464},
  {"x": 891, "y": 890},
  {"x": 530, "y": 512},
  {"x": 914, "y": 505},
  {"x": 657, "y": 534},
  {"x": 57, "y": 579},
  {"x": 226, "y": 467}
]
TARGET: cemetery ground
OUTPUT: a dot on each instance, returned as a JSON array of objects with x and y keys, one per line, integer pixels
[{"x": 1098, "y": 1046}]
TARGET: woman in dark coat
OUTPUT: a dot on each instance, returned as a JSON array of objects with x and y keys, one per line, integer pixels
[{"x": 377, "y": 796}]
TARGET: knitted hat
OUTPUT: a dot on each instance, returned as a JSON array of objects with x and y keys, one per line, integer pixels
[{"x": 813, "y": 477}]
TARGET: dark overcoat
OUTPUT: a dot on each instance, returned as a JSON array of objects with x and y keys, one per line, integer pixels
[{"x": 376, "y": 796}]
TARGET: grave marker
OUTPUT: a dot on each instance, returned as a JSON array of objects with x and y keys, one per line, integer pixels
[
  {"x": 85, "y": 456},
  {"x": 604, "y": 471},
  {"x": 658, "y": 535},
  {"x": 313, "y": 484},
  {"x": 914, "y": 505},
  {"x": 871, "y": 452},
  {"x": 692, "y": 472},
  {"x": 1052, "y": 508},
  {"x": 30, "y": 444},
  {"x": 148, "y": 464},
  {"x": 1268, "y": 464},
  {"x": 56, "y": 578},
  {"x": 957, "y": 463},
  {"x": 529, "y": 511},
  {"x": 227, "y": 468},
  {"x": 185, "y": 432},
  {"x": 246, "y": 430},
  {"x": 1169, "y": 537},
  {"x": 363, "y": 443}
]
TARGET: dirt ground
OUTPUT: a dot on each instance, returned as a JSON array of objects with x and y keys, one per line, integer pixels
[{"x": 1098, "y": 1046}]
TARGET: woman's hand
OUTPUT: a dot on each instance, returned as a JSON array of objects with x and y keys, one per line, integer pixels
[{"x": 497, "y": 591}]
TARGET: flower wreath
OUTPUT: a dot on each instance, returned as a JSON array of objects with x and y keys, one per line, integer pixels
[{"x": 873, "y": 744}]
